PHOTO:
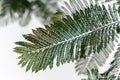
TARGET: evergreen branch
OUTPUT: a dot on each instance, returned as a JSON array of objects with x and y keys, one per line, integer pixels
[
  {"x": 76, "y": 37},
  {"x": 70, "y": 38}
]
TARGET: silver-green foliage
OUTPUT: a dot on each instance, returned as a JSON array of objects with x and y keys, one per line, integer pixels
[
  {"x": 113, "y": 73},
  {"x": 71, "y": 38},
  {"x": 94, "y": 61}
]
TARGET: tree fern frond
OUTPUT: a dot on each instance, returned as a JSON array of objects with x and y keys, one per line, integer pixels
[{"x": 71, "y": 38}]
